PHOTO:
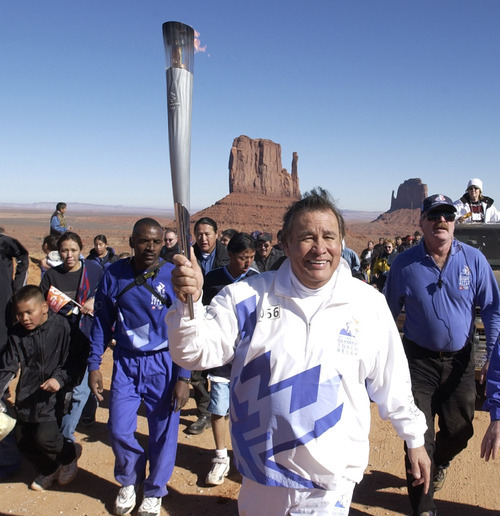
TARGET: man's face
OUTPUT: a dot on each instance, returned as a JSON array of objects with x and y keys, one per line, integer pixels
[
  {"x": 370, "y": 245},
  {"x": 170, "y": 239},
  {"x": 205, "y": 237},
  {"x": 31, "y": 313},
  {"x": 239, "y": 263},
  {"x": 264, "y": 248},
  {"x": 435, "y": 228},
  {"x": 314, "y": 247},
  {"x": 146, "y": 242},
  {"x": 474, "y": 193}
]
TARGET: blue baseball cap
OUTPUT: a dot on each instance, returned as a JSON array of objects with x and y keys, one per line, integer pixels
[{"x": 437, "y": 201}]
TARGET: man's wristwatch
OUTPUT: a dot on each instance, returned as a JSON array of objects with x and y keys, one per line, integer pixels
[{"x": 184, "y": 379}]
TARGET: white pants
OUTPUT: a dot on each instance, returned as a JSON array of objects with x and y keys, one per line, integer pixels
[{"x": 264, "y": 500}]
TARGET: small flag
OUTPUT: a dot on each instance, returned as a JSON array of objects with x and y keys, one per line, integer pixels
[{"x": 57, "y": 299}]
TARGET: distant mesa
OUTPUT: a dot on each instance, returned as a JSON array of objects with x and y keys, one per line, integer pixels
[
  {"x": 405, "y": 207},
  {"x": 260, "y": 188},
  {"x": 255, "y": 168},
  {"x": 410, "y": 195}
]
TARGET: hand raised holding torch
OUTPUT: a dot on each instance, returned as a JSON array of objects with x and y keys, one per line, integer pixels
[{"x": 179, "y": 50}]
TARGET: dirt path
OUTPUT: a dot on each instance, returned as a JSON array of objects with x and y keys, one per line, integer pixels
[{"x": 472, "y": 487}]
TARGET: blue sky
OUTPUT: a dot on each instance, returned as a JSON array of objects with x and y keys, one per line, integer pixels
[{"x": 367, "y": 92}]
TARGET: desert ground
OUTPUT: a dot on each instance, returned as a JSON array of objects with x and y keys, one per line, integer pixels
[{"x": 472, "y": 487}]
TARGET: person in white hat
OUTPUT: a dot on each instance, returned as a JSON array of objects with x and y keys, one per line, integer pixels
[{"x": 473, "y": 206}]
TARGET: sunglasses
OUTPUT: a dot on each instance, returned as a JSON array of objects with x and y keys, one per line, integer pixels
[{"x": 436, "y": 215}]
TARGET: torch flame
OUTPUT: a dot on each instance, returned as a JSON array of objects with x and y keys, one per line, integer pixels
[{"x": 197, "y": 47}]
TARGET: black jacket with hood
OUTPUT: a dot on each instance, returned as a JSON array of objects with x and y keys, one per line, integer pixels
[{"x": 40, "y": 354}]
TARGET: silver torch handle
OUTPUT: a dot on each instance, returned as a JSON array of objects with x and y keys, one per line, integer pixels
[{"x": 179, "y": 51}]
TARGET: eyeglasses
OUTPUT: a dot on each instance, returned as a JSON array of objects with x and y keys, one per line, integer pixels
[
  {"x": 169, "y": 239},
  {"x": 436, "y": 215},
  {"x": 263, "y": 244},
  {"x": 473, "y": 188},
  {"x": 387, "y": 246}
]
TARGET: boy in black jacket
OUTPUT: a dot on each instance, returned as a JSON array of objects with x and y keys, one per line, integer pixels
[{"x": 39, "y": 347}]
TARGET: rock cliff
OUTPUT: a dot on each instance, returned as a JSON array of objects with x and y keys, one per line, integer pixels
[
  {"x": 410, "y": 195},
  {"x": 255, "y": 168}
]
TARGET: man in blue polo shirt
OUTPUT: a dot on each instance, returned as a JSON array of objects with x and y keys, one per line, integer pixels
[{"x": 440, "y": 282}]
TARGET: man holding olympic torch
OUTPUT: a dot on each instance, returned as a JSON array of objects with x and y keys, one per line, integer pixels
[{"x": 310, "y": 346}]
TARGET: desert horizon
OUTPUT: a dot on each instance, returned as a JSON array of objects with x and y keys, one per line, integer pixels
[{"x": 30, "y": 226}]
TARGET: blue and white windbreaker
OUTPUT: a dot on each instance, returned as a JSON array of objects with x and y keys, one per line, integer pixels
[{"x": 301, "y": 388}]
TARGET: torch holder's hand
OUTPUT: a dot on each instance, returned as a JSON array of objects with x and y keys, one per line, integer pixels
[{"x": 187, "y": 277}]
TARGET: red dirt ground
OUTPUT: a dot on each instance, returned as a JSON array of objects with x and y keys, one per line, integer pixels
[{"x": 472, "y": 487}]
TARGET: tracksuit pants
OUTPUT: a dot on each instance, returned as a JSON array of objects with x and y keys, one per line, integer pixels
[
  {"x": 148, "y": 378},
  {"x": 264, "y": 500}
]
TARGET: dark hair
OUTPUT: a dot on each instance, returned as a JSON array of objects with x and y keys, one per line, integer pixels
[
  {"x": 29, "y": 292},
  {"x": 365, "y": 263},
  {"x": 60, "y": 206},
  {"x": 240, "y": 242},
  {"x": 146, "y": 221},
  {"x": 317, "y": 199},
  {"x": 208, "y": 221},
  {"x": 102, "y": 238},
  {"x": 51, "y": 242},
  {"x": 69, "y": 235},
  {"x": 229, "y": 233}
]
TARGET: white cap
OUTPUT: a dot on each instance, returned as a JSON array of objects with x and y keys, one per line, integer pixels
[{"x": 475, "y": 181}]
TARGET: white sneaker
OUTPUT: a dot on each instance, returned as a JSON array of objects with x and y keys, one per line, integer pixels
[
  {"x": 150, "y": 506},
  {"x": 68, "y": 472},
  {"x": 43, "y": 482},
  {"x": 125, "y": 501},
  {"x": 220, "y": 469}
]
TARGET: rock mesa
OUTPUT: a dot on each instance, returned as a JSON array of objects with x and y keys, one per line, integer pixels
[
  {"x": 410, "y": 195},
  {"x": 255, "y": 168}
]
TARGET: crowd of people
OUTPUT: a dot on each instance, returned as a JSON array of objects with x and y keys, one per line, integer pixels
[{"x": 253, "y": 351}]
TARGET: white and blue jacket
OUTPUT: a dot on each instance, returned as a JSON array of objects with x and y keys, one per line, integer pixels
[{"x": 301, "y": 387}]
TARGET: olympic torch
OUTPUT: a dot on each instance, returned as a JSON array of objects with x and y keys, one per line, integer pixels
[{"x": 179, "y": 50}]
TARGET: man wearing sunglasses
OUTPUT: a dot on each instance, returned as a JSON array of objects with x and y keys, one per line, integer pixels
[
  {"x": 440, "y": 282},
  {"x": 473, "y": 206}
]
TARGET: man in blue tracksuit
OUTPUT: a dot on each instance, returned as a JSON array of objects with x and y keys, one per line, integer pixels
[{"x": 130, "y": 306}]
